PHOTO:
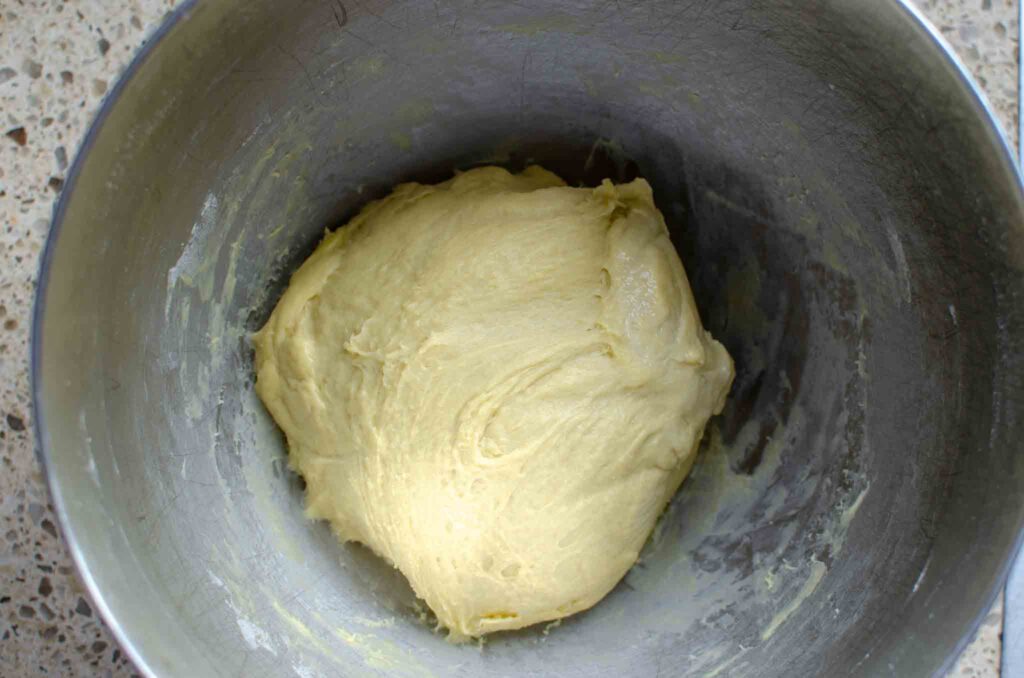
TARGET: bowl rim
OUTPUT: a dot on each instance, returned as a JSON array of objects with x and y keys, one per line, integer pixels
[
  {"x": 169, "y": 21},
  {"x": 181, "y": 13}
]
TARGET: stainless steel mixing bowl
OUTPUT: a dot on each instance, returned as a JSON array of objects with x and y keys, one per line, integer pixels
[{"x": 850, "y": 219}]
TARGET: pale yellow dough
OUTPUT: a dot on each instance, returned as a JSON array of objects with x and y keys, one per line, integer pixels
[{"x": 497, "y": 383}]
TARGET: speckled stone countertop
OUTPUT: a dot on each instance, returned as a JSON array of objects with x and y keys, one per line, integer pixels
[{"x": 58, "y": 58}]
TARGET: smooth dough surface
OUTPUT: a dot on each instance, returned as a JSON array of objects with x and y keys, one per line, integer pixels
[{"x": 496, "y": 383}]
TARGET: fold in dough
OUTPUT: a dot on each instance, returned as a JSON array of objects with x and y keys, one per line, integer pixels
[{"x": 496, "y": 383}]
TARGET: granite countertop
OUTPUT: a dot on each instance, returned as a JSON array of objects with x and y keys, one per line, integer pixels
[{"x": 58, "y": 59}]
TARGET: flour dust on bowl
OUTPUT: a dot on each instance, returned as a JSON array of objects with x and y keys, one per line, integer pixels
[{"x": 850, "y": 221}]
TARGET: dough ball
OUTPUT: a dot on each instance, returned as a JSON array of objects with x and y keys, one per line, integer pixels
[{"x": 496, "y": 383}]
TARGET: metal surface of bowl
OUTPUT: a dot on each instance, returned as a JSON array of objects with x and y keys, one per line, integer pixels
[{"x": 851, "y": 222}]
